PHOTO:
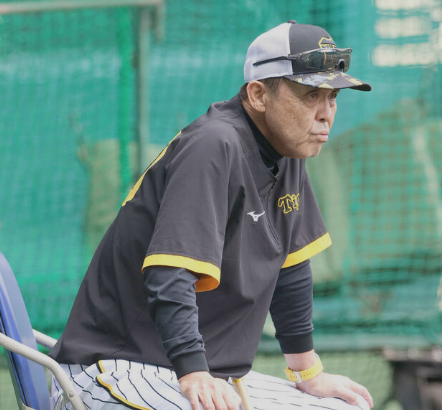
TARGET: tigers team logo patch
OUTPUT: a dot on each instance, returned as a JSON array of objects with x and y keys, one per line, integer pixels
[
  {"x": 325, "y": 42},
  {"x": 289, "y": 203}
]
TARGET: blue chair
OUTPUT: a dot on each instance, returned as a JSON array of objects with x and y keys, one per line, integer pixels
[{"x": 25, "y": 362}]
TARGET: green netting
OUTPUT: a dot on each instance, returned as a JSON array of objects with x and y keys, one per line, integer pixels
[
  {"x": 382, "y": 277},
  {"x": 69, "y": 149},
  {"x": 67, "y": 124}
]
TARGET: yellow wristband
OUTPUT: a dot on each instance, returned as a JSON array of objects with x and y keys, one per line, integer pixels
[{"x": 304, "y": 375}]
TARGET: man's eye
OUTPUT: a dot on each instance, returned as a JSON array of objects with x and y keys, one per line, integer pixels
[{"x": 334, "y": 95}]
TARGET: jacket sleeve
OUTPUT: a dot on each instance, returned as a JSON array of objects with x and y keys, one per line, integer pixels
[
  {"x": 291, "y": 308},
  {"x": 191, "y": 221},
  {"x": 172, "y": 305}
]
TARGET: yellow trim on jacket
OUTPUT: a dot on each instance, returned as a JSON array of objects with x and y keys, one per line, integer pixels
[
  {"x": 208, "y": 274},
  {"x": 308, "y": 251},
  {"x": 136, "y": 187}
]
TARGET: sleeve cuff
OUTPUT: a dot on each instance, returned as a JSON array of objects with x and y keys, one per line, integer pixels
[
  {"x": 296, "y": 344},
  {"x": 189, "y": 363}
]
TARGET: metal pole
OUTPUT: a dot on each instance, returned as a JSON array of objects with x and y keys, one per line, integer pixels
[
  {"x": 40, "y": 358},
  {"x": 143, "y": 50},
  {"x": 35, "y": 7}
]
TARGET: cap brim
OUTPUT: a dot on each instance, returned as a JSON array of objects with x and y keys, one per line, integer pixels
[{"x": 329, "y": 80}]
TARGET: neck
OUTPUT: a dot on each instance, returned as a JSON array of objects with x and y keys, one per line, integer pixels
[
  {"x": 256, "y": 116},
  {"x": 268, "y": 154}
]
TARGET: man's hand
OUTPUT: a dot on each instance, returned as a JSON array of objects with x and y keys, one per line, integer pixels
[
  {"x": 212, "y": 393},
  {"x": 332, "y": 385}
]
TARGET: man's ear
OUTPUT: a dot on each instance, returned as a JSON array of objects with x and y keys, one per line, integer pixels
[{"x": 257, "y": 92}]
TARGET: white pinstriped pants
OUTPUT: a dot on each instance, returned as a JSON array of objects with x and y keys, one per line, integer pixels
[{"x": 120, "y": 384}]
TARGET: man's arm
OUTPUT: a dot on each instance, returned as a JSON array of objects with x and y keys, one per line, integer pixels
[
  {"x": 291, "y": 308},
  {"x": 325, "y": 384},
  {"x": 172, "y": 306},
  {"x": 291, "y": 311}
]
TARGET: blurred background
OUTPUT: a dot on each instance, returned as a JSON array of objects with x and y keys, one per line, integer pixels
[{"x": 90, "y": 92}]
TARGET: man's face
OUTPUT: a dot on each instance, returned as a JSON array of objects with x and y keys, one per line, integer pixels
[{"x": 298, "y": 118}]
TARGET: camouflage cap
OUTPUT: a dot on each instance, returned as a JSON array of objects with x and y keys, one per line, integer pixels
[
  {"x": 331, "y": 80},
  {"x": 302, "y": 53}
]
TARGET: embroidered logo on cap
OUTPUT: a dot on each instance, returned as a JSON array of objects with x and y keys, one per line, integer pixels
[{"x": 325, "y": 42}]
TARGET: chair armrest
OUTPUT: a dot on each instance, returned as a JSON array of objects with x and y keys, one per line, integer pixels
[
  {"x": 44, "y": 340},
  {"x": 46, "y": 361}
]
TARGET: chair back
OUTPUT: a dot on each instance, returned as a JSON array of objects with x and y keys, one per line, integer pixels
[{"x": 29, "y": 378}]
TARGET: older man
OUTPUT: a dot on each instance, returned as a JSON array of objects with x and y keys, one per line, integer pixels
[{"x": 218, "y": 231}]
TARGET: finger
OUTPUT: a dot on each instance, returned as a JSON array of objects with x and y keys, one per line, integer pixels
[
  {"x": 209, "y": 404},
  {"x": 363, "y": 404},
  {"x": 232, "y": 399},
  {"x": 215, "y": 401},
  {"x": 348, "y": 395},
  {"x": 194, "y": 401},
  {"x": 367, "y": 397},
  {"x": 356, "y": 387},
  {"x": 227, "y": 398}
]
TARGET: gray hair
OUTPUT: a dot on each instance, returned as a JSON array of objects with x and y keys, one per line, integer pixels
[{"x": 271, "y": 83}]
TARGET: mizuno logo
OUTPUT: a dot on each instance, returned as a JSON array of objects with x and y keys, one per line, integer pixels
[{"x": 255, "y": 216}]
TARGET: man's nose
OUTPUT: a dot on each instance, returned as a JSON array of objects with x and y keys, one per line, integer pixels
[{"x": 326, "y": 110}]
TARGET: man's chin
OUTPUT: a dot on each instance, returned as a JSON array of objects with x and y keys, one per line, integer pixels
[{"x": 315, "y": 152}]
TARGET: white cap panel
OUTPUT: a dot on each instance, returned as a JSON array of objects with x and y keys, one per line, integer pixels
[{"x": 271, "y": 44}]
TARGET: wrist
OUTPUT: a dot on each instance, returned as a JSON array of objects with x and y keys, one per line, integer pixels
[
  {"x": 190, "y": 363},
  {"x": 300, "y": 361},
  {"x": 299, "y": 376}
]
